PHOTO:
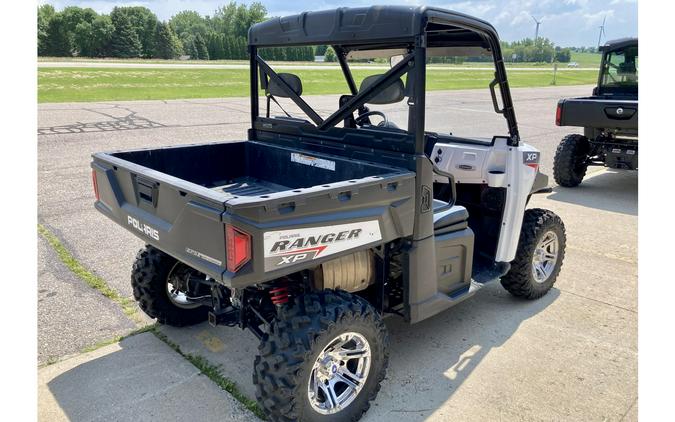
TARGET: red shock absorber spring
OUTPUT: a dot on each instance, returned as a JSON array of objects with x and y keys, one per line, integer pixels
[{"x": 279, "y": 295}]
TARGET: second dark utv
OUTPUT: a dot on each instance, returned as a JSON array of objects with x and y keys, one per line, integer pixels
[{"x": 609, "y": 118}]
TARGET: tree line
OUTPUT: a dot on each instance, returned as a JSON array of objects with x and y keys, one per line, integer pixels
[
  {"x": 136, "y": 32},
  {"x": 524, "y": 51}
]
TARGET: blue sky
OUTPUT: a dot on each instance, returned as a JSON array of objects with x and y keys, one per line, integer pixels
[{"x": 565, "y": 22}]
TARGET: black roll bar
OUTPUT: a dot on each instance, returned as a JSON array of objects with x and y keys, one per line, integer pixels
[{"x": 309, "y": 111}]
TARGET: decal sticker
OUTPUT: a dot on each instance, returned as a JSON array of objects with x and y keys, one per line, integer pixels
[
  {"x": 531, "y": 159},
  {"x": 143, "y": 228},
  {"x": 203, "y": 256},
  {"x": 425, "y": 201},
  {"x": 288, "y": 247},
  {"x": 308, "y": 160}
]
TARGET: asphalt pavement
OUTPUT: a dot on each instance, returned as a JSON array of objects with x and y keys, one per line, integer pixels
[{"x": 571, "y": 355}]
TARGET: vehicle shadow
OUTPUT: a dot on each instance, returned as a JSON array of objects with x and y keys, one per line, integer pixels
[
  {"x": 610, "y": 190},
  {"x": 429, "y": 361}
]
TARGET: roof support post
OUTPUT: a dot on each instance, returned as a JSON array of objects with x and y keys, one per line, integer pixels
[
  {"x": 417, "y": 112},
  {"x": 253, "y": 53}
]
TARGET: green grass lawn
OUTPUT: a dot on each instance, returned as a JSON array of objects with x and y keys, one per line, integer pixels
[
  {"x": 587, "y": 59},
  {"x": 110, "y": 84}
]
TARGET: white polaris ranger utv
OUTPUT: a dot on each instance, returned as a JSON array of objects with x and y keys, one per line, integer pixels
[{"x": 318, "y": 225}]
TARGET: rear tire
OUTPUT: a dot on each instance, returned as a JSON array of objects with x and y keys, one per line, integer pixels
[
  {"x": 287, "y": 374},
  {"x": 149, "y": 277},
  {"x": 570, "y": 161},
  {"x": 531, "y": 277}
]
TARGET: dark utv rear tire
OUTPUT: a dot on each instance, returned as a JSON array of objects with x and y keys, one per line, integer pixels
[
  {"x": 311, "y": 328},
  {"x": 149, "y": 277},
  {"x": 531, "y": 277},
  {"x": 570, "y": 161}
]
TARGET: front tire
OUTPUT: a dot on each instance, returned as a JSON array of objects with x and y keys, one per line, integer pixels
[
  {"x": 571, "y": 160},
  {"x": 323, "y": 359},
  {"x": 150, "y": 277},
  {"x": 541, "y": 250}
]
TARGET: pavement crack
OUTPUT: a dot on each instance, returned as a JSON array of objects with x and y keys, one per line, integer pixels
[
  {"x": 599, "y": 301},
  {"x": 127, "y": 305},
  {"x": 629, "y": 409},
  {"x": 603, "y": 255}
]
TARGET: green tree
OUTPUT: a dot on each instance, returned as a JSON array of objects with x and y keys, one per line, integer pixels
[
  {"x": 142, "y": 21},
  {"x": 200, "y": 46},
  {"x": 189, "y": 47},
  {"x": 93, "y": 39},
  {"x": 235, "y": 19},
  {"x": 45, "y": 13},
  {"x": 167, "y": 45},
  {"x": 330, "y": 55},
  {"x": 125, "y": 41},
  {"x": 563, "y": 55},
  {"x": 189, "y": 21},
  {"x": 59, "y": 41}
]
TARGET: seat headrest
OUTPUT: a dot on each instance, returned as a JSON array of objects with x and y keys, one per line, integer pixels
[
  {"x": 292, "y": 80},
  {"x": 393, "y": 94}
]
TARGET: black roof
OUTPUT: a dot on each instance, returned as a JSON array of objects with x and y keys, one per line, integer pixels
[
  {"x": 359, "y": 27},
  {"x": 619, "y": 44}
]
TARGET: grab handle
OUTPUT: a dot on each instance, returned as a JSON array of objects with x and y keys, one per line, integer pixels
[{"x": 495, "y": 104}]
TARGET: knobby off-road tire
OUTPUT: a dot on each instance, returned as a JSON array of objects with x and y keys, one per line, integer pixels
[
  {"x": 149, "y": 277},
  {"x": 570, "y": 161},
  {"x": 522, "y": 279},
  {"x": 302, "y": 332}
]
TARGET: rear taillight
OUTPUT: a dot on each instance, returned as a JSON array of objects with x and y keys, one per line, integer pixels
[
  {"x": 95, "y": 182},
  {"x": 558, "y": 114},
  {"x": 238, "y": 247}
]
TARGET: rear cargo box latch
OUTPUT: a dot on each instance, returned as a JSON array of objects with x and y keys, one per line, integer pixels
[{"x": 146, "y": 191}]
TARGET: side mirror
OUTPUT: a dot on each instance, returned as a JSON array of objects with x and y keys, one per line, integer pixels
[{"x": 394, "y": 60}]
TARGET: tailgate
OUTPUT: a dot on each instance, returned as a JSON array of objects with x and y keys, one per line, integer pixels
[
  {"x": 599, "y": 113},
  {"x": 180, "y": 218}
]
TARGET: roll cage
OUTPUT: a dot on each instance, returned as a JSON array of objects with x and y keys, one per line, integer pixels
[{"x": 412, "y": 30}]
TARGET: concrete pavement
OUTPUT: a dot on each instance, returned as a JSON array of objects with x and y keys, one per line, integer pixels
[
  {"x": 137, "y": 379},
  {"x": 571, "y": 355},
  {"x": 71, "y": 315}
]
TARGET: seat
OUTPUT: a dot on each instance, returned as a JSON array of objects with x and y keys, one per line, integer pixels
[
  {"x": 274, "y": 89},
  {"x": 450, "y": 217},
  {"x": 440, "y": 205}
]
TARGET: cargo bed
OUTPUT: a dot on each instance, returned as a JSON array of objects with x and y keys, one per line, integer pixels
[{"x": 180, "y": 198}]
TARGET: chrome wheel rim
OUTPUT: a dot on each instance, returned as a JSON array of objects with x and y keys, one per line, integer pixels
[
  {"x": 545, "y": 257},
  {"x": 177, "y": 297},
  {"x": 339, "y": 373}
]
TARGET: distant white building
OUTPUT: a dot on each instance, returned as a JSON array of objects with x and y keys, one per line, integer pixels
[{"x": 320, "y": 59}]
